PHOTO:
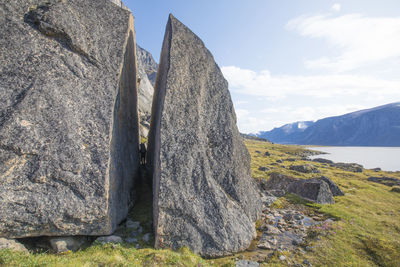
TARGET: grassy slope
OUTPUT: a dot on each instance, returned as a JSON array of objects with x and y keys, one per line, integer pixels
[{"x": 367, "y": 232}]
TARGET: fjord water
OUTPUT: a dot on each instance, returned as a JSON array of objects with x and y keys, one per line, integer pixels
[{"x": 386, "y": 158}]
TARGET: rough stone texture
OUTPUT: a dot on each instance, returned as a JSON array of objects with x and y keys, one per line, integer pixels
[
  {"x": 120, "y": 4},
  {"x": 63, "y": 244},
  {"x": 350, "y": 167},
  {"x": 146, "y": 66},
  {"x": 6, "y": 243},
  {"x": 315, "y": 190},
  {"x": 68, "y": 117},
  {"x": 204, "y": 196},
  {"x": 336, "y": 191},
  {"x": 321, "y": 160},
  {"x": 320, "y": 190},
  {"x": 389, "y": 181},
  {"x": 307, "y": 168},
  {"x": 147, "y": 62}
]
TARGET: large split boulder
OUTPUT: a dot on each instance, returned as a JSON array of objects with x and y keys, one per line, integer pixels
[
  {"x": 68, "y": 117},
  {"x": 204, "y": 196}
]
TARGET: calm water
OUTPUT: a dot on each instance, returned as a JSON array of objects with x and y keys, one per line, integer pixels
[{"x": 386, "y": 158}]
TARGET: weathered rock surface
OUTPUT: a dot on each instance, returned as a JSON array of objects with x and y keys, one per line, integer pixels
[
  {"x": 68, "y": 118},
  {"x": 6, "y": 243},
  {"x": 389, "y": 181},
  {"x": 63, "y": 244},
  {"x": 320, "y": 190},
  {"x": 146, "y": 64},
  {"x": 316, "y": 190},
  {"x": 204, "y": 196},
  {"x": 350, "y": 167},
  {"x": 306, "y": 168}
]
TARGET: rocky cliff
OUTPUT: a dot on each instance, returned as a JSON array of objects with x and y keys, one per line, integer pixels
[
  {"x": 204, "y": 196},
  {"x": 68, "y": 118},
  {"x": 147, "y": 67},
  {"x": 379, "y": 126}
]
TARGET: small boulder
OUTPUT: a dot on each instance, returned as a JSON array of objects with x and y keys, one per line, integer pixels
[
  {"x": 263, "y": 169},
  {"x": 315, "y": 190},
  {"x": 389, "y": 181},
  {"x": 350, "y": 167},
  {"x": 321, "y": 160},
  {"x": 395, "y": 189},
  {"x": 307, "y": 168},
  {"x": 7, "y": 243},
  {"x": 267, "y": 154},
  {"x": 279, "y": 161},
  {"x": 291, "y": 159},
  {"x": 63, "y": 244},
  {"x": 376, "y": 169}
]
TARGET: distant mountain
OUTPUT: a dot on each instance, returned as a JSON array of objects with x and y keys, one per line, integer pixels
[
  {"x": 148, "y": 63},
  {"x": 379, "y": 126}
]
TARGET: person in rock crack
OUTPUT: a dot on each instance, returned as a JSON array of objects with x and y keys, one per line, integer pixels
[{"x": 142, "y": 152}]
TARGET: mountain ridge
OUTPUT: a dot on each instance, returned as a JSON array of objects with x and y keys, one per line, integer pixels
[{"x": 377, "y": 126}]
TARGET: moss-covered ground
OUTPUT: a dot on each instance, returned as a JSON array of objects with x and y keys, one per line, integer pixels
[{"x": 366, "y": 231}]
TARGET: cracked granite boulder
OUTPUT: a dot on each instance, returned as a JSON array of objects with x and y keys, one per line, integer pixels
[
  {"x": 68, "y": 117},
  {"x": 204, "y": 196}
]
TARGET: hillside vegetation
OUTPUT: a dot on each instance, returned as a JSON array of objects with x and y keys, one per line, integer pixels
[{"x": 365, "y": 232}]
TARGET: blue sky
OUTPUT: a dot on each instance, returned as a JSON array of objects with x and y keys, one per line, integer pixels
[{"x": 290, "y": 60}]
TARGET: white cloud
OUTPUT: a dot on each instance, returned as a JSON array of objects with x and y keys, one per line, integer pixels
[
  {"x": 361, "y": 40},
  {"x": 272, "y": 101},
  {"x": 337, "y": 7},
  {"x": 248, "y": 82}
]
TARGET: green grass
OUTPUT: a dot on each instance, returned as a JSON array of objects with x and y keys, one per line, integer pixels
[
  {"x": 368, "y": 216},
  {"x": 366, "y": 231}
]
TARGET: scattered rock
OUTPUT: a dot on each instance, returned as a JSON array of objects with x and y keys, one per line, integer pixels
[
  {"x": 63, "y": 244},
  {"x": 246, "y": 263},
  {"x": 279, "y": 161},
  {"x": 396, "y": 189},
  {"x": 267, "y": 154},
  {"x": 263, "y": 169},
  {"x": 282, "y": 258},
  {"x": 7, "y": 243},
  {"x": 204, "y": 195},
  {"x": 307, "y": 263},
  {"x": 291, "y": 159},
  {"x": 109, "y": 239},
  {"x": 307, "y": 168},
  {"x": 258, "y": 152},
  {"x": 376, "y": 169},
  {"x": 321, "y": 160},
  {"x": 351, "y": 167},
  {"x": 385, "y": 180}
]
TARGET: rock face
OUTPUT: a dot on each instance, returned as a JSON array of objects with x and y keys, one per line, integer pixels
[
  {"x": 204, "y": 196},
  {"x": 147, "y": 62},
  {"x": 146, "y": 67},
  {"x": 68, "y": 118}
]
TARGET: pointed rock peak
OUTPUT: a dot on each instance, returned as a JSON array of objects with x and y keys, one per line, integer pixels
[{"x": 204, "y": 196}]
